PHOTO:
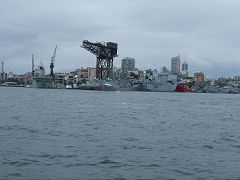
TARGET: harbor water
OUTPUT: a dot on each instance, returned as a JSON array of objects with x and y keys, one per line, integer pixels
[{"x": 77, "y": 134}]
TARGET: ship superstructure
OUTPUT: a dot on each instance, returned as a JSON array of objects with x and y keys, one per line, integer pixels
[{"x": 162, "y": 82}]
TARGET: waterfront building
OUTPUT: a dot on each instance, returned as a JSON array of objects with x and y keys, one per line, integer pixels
[
  {"x": 128, "y": 64},
  {"x": 175, "y": 65},
  {"x": 59, "y": 78},
  {"x": 116, "y": 73},
  {"x": 82, "y": 73},
  {"x": 165, "y": 70},
  {"x": 198, "y": 78},
  {"x": 225, "y": 80},
  {"x": 91, "y": 73},
  {"x": 10, "y": 75},
  {"x": 221, "y": 80}
]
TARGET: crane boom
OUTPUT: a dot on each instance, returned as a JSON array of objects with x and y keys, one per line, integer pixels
[
  {"x": 53, "y": 61},
  {"x": 54, "y": 55},
  {"x": 33, "y": 65}
]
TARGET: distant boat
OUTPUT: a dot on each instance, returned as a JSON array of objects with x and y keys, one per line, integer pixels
[
  {"x": 183, "y": 87},
  {"x": 68, "y": 86}
]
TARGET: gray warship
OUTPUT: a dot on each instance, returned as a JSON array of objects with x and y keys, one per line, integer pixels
[
  {"x": 108, "y": 85},
  {"x": 163, "y": 82},
  {"x": 39, "y": 79}
]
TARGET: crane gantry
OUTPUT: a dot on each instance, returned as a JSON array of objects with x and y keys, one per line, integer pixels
[{"x": 105, "y": 52}]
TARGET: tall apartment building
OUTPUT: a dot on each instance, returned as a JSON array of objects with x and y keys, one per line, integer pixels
[
  {"x": 128, "y": 64},
  {"x": 175, "y": 65},
  {"x": 2, "y": 72}
]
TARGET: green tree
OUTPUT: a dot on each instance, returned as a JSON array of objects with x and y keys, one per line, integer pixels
[
  {"x": 84, "y": 81},
  {"x": 12, "y": 80},
  {"x": 132, "y": 74},
  {"x": 136, "y": 76}
]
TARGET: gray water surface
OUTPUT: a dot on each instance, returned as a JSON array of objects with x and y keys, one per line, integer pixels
[{"x": 76, "y": 134}]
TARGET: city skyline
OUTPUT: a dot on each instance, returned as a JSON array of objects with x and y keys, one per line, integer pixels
[{"x": 205, "y": 33}]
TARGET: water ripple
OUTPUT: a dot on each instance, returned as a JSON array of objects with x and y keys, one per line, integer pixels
[{"x": 118, "y": 135}]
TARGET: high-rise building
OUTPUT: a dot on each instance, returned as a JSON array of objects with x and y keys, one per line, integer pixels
[
  {"x": 175, "y": 65},
  {"x": 185, "y": 66},
  {"x": 128, "y": 64},
  {"x": 2, "y": 72},
  {"x": 185, "y": 69}
]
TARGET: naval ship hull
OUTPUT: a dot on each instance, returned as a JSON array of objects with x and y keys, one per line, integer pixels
[
  {"x": 107, "y": 88},
  {"x": 161, "y": 87},
  {"x": 97, "y": 88},
  {"x": 44, "y": 82}
]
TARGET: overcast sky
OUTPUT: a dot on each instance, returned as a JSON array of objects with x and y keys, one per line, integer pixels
[{"x": 205, "y": 32}]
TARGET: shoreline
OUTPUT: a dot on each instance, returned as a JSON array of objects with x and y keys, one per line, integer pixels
[{"x": 22, "y": 86}]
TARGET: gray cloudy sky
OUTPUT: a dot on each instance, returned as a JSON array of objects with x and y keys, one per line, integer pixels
[{"x": 205, "y": 32}]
